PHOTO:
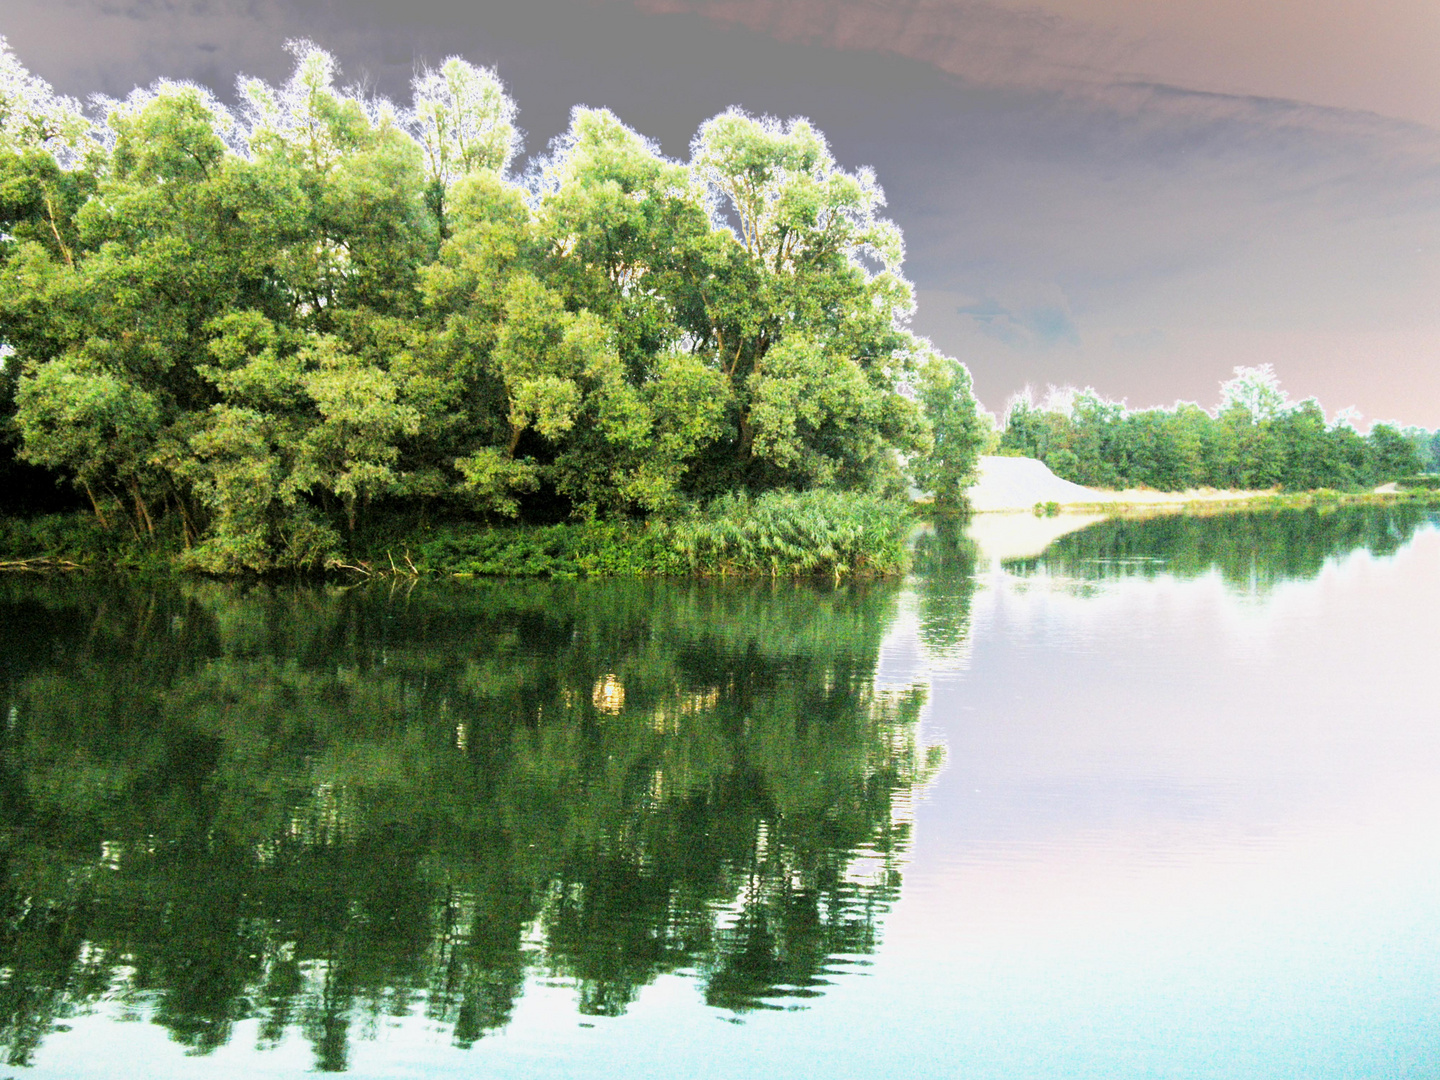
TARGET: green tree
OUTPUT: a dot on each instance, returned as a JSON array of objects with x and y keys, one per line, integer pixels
[
  {"x": 1389, "y": 455},
  {"x": 351, "y": 451},
  {"x": 1031, "y": 431},
  {"x": 799, "y": 257},
  {"x": 464, "y": 122},
  {"x": 94, "y": 425},
  {"x": 958, "y": 434},
  {"x": 1096, "y": 425}
]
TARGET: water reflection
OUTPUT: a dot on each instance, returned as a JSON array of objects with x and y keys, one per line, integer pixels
[
  {"x": 262, "y": 814},
  {"x": 324, "y": 808},
  {"x": 1251, "y": 550}
]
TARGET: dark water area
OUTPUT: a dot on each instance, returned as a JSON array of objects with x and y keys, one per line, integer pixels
[{"x": 1161, "y": 800}]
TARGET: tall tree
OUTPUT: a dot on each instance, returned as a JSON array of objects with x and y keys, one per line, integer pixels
[
  {"x": 798, "y": 298},
  {"x": 464, "y": 122}
]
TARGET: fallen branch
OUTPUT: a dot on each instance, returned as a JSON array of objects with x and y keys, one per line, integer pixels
[
  {"x": 40, "y": 564},
  {"x": 362, "y": 568}
]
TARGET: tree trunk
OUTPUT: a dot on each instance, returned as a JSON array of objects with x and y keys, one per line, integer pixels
[
  {"x": 55, "y": 230},
  {"x": 747, "y": 435},
  {"x": 96, "y": 504},
  {"x": 187, "y": 526},
  {"x": 142, "y": 512}
]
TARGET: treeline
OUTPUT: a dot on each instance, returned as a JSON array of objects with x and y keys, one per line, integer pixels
[
  {"x": 1255, "y": 439},
  {"x": 246, "y": 333}
]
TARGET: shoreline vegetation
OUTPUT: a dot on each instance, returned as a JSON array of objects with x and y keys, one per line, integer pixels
[
  {"x": 321, "y": 332},
  {"x": 822, "y": 535},
  {"x": 861, "y": 538}
]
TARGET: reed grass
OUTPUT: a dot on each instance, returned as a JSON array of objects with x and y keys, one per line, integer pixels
[{"x": 811, "y": 534}]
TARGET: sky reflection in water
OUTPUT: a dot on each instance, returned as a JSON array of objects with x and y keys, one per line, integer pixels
[{"x": 1185, "y": 826}]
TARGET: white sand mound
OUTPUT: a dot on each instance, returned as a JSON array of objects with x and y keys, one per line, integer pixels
[
  {"x": 1011, "y": 483},
  {"x": 1015, "y": 483},
  {"x": 1022, "y": 536}
]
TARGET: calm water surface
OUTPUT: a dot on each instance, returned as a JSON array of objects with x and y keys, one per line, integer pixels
[{"x": 1161, "y": 800}]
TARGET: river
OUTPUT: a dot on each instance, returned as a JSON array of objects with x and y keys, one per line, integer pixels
[{"x": 1146, "y": 799}]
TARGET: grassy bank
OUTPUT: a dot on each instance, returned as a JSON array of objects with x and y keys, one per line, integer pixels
[
  {"x": 1424, "y": 482},
  {"x": 80, "y": 541},
  {"x": 1321, "y": 498},
  {"x": 814, "y": 534}
]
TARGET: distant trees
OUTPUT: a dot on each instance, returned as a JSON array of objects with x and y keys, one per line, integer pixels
[
  {"x": 252, "y": 328},
  {"x": 1256, "y": 438}
]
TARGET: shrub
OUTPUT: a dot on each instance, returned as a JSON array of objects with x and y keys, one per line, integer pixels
[
  {"x": 1429, "y": 482},
  {"x": 83, "y": 540},
  {"x": 818, "y": 533},
  {"x": 827, "y": 533}
]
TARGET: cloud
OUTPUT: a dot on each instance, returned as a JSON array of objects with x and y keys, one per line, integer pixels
[
  {"x": 1134, "y": 60},
  {"x": 1041, "y": 320},
  {"x": 985, "y": 42}
]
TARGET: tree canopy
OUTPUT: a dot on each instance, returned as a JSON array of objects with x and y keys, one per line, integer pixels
[
  {"x": 257, "y": 326},
  {"x": 1256, "y": 438}
]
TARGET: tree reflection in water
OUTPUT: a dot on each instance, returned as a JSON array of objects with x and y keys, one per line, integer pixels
[
  {"x": 320, "y": 808},
  {"x": 1251, "y": 550},
  {"x": 317, "y": 809}
]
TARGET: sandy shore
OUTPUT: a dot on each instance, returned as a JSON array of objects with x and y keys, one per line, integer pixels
[
  {"x": 1008, "y": 484},
  {"x": 1004, "y": 498}
]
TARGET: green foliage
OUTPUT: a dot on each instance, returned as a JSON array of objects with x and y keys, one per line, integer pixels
[
  {"x": 598, "y": 549},
  {"x": 957, "y": 433},
  {"x": 807, "y": 334},
  {"x": 1419, "y": 483},
  {"x": 1390, "y": 455},
  {"x": 82, "y": 541},
  {"x": 271, "y": 325},
  {"x": 1256, "y": 439},
  {"x": 815, "y": 534}
]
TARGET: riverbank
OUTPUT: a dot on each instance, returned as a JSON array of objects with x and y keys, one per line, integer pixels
[
  {"x": 819, "y": 534},
  {"x": 1020, "y": 507},
  {"x": 1006, "y": 484},
  {"x": 1013, "y": 484}
]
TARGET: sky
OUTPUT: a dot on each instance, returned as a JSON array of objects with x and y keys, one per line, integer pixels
[{"x": 1125, "y": 194}]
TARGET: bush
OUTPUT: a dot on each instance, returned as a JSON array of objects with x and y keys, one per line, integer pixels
[
  {"x": 82, "y": 540},
  {"x": 818, "y": 533},
  {"x": 562, "y": 551},
  {"x": 1429, "y": 482}
]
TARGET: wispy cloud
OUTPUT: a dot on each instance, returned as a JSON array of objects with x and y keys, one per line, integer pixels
[
  {"x": 986, "y": 42},
  {"x": 1040, "y": 320},
  {"x": 1124, "y": 61}
]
